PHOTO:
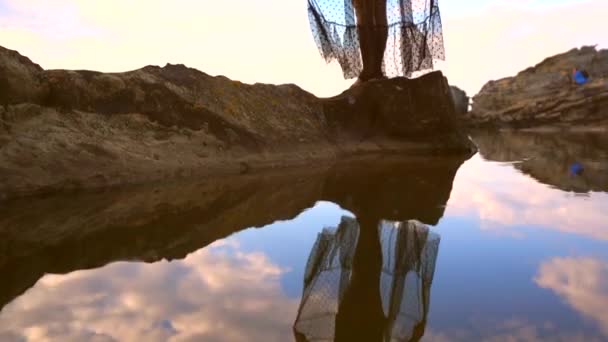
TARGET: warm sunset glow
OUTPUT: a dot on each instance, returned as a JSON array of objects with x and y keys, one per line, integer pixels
[{"x": 269, "y": 40}]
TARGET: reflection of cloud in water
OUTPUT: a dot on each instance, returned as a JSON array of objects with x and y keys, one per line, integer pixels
[
  {"x": 513, "y": 330},
  {"x": 215, "y": 294},
  {"x": 581, "y": 282},
  {"x": 502, "y": 197}
]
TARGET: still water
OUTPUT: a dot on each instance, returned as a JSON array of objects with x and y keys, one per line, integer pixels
[{"x": 514, "y": 247}]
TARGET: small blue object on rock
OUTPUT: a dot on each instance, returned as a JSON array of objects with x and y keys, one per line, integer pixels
[
  {"x": 576, "y": 168},
  {"x": 580, "y": 77}
]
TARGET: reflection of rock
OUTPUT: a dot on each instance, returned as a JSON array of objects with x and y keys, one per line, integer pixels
[
  {"x": 418, "y": 189},
  {"x": 547, "y": 157},
  {"x": 74, "y": 231},
  {"x": 545, "y": 95},
  {"x": 370, "y": 286},
  {"x": 83, "y": 129},
  {"x": 149, "y": 224},
  {"x": 461, "y": 100}
]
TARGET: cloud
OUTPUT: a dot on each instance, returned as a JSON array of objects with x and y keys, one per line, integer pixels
[
  {"x": 505, "y": 201},
  {"x": 581, "y": 282},
  {"x": 215, "y": 294},
  {"x": 270, "y": 40}
]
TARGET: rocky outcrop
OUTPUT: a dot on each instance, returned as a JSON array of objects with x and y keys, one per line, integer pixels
[
  {"x": 461, "y": 100},
  {"x": 20, "y": 79},
  {"x": 64, "y": 129},
  {"x": 545, "y": 95},
  {"x": 62, "y": 233},
  {"x": 414, "y": 115},
  {"x": 548, "y": 156}
]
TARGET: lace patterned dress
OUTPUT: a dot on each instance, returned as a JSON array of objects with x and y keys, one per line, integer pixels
[{"x": 415, "y": 38}]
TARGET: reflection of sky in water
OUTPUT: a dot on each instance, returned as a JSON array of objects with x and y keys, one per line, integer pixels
[
  {"x": 219, "y": 293},
  {"x": 489, "y": 278},
  {"x": 517, "y": 260},
  {"x": 288, "y": 243},
  {"x": 500, "y": 231}
]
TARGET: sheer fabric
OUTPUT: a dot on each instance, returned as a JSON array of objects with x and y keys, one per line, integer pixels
[{"x": 415, "y": 37}]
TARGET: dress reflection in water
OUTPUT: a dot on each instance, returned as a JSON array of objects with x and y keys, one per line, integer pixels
[{"x": 382, "y": 297}]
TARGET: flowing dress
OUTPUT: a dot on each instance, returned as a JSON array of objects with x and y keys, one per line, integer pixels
[{"x": 415, "y": 37}]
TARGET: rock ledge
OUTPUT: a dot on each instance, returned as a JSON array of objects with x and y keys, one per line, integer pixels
[
  {"x": 544, "y": 95},
  {"x": 63, "y": 129}
]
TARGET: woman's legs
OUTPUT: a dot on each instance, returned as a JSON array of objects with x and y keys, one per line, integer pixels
[
  {"x": 380, "y": 35},
  {"x": 373, "y": 32},
  {"x": 365, "y": 19}
]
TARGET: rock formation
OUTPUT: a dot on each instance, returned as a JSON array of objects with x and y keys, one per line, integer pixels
[
  {"x": 64, "y": 129},
  {"x": 461, "y": 100},
  {"x": 545, "y": 95},
  {"x": 547, "y": 157}
]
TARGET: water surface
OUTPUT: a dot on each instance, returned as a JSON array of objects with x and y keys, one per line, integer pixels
[{"x": 516, "y": 250}]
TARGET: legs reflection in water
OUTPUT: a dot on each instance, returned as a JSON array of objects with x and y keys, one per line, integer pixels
[{"x": 368, "y": 281}]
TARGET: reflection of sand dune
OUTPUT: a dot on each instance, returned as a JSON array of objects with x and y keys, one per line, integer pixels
[
  {"x": 407, "y": 254},
  {"x": 548, "y": 156},
  {"x": 582, "y": 283}
]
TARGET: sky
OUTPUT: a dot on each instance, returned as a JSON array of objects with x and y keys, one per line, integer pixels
[{"x": 269, "y": 41}]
